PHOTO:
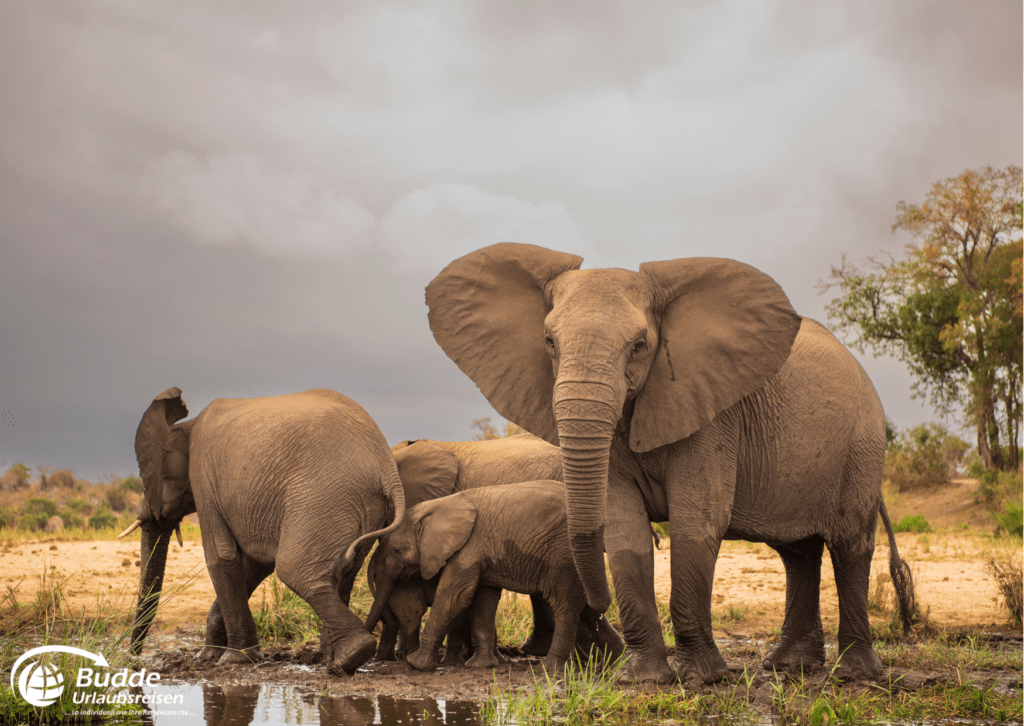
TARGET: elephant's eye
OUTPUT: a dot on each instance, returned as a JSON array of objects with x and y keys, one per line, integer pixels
[
  {"x": 639, "y": 346},
  {"x": 549, "y": 342}
]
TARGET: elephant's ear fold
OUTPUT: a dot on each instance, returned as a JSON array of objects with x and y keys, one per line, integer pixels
[
  {"x": 427, "y": 472},
  {"x": 153, "y": 443},
  {"x": 443, "y": 531},
  {"x": 487, "y": 312},
  {"x": 726, "y": 328}
]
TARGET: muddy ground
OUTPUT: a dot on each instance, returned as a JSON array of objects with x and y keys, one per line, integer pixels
[{"x": 749, "y": 599}]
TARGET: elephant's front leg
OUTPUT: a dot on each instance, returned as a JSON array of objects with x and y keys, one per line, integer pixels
[
  {"x": 631, "y": 559},
  {"x": 216, "y": 633},
  {"x": 455, "y": 591},
  {"x": 701, "y": 489}
]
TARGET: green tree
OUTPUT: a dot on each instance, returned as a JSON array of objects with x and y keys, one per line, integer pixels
[
  {"x": 488, "y": 432},
  {"x": 951, "y": 309}
]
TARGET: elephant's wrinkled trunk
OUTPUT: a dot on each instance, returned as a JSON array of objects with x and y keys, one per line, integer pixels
[
  {"x": 585, "y": 428},
  {"x": 153, "y": 556}
]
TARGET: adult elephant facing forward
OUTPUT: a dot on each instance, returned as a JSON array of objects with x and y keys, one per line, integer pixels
[
  {"x": 689, "y": 391},
  {"x": 302, "y": 483}
]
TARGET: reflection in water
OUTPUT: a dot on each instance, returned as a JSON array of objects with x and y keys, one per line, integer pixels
[{"x": 239, "y": 705}]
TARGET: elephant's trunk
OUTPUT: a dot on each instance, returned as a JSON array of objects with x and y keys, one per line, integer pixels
[
  {"x": 585, "y": 428},
  {"x": 380, "y": 599},
  {"x": 153, "y": 556}
]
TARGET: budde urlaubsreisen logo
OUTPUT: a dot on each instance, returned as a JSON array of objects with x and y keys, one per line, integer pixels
[{"x": 41, "y": 684}]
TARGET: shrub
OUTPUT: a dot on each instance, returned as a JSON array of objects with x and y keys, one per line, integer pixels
[
  {"x": 132, "y": 484},
  {"x": 63, "y": 479},
  {"x": 32, "y": 522},
  {"x": 1011, "y": 520},
  {"x": 116, "y": 500},
  {"x": 914, "y": 523},
  {"x": 995, "y": 486},
  {"x": 103, "y": 518},
  {"x": 15, "y": 478},
  {"x": 925, "y": 455},
  {"x": 71, "y": 518},
  {"x": 79, "y": 506},
  {"x": 41, "y": 506}
]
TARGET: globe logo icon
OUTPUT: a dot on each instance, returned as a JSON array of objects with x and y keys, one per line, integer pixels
[{"x": 41, "y": 684}]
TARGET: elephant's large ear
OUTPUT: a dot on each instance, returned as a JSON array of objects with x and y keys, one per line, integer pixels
[
  {"x": 487, "y": 313},
  {"x": 726, "y": 328},
  {"x": 443, "y": 530},
  {"x": 153, "y": 443},
  {"x": 427, "y": 472}
]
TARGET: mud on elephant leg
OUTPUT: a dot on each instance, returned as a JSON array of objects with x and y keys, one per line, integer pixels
[
  {"x": 216, "y": 633},
  {"x": 597, "y": 638},
  {"x": 851, "y": 563},
  {"x": 801, "y": 644},
  {"x": 483, "y": 612}
]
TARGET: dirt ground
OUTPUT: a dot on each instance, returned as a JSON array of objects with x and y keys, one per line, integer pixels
[{"x": 748, "y": 599}]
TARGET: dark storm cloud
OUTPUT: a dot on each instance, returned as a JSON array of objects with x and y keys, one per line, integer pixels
[{"x": 245, "y": 199}]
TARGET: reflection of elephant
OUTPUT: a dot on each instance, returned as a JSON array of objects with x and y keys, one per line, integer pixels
[
  {"x": 285, "y": 482},
  {"x": 229, "y": 703},
  {"x": 486, "y": 539},
  {"x": 432, "y": 469},
  {"x": 689, "y": 391}
]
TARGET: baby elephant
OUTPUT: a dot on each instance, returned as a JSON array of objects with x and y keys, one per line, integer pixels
[{"x": 486, "y": 539}]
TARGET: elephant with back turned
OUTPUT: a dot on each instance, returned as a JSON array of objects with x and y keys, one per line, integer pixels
[
  {"x": 689, "y": 391},
  {"x": 300, "y": 483}
]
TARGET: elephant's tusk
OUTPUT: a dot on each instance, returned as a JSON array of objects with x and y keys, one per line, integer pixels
[
  {"x": 131, "y": 528},
  {"x": 177, "y": 531}
]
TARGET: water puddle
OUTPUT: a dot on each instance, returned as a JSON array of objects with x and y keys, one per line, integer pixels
[{"x": 269, "y": 705}]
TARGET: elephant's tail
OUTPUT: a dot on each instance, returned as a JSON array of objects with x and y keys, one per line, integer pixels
[
  {"x": 393, "y": 490},
  {"x": 902, "y": 581}
]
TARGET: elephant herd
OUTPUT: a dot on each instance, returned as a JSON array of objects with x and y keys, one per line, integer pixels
[{"x": 688, "y": 392}]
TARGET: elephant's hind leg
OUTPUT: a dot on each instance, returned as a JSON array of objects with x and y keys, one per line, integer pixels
[
  {"x": 802, "y": 643},
  {"x": 543, "y": 627},
  {"x": 216, "y": 633},
  {"x": 344, "y": 641},
  {"x": 851, "y": 562},
  {"x": 225, "y": 563}
]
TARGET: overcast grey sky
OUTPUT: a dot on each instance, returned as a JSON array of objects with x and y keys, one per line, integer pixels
[{"x": 248, "y": 198}]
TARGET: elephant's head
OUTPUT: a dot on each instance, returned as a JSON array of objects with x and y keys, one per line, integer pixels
[
  {"x": 431, "y": 533},
  {"x": 161, "y": 447},
  {"x": 572, "y": 355},
  {"x": 427, "y": 471}
]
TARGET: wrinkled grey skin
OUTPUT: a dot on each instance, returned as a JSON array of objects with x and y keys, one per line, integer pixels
[
  {"x": 431, "y": 469},
  {"x": 301, "y": 483},
  {"x": 486, "y": 540},
  {"x": 691, "y": 392}
]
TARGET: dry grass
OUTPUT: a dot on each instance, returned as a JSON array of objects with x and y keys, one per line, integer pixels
[{"x": 1010, "y": 579}]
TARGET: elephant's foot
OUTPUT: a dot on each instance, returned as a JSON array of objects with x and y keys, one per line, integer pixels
[
  {"x": 638, "y": 670},
  {"x": 538, "y": 644},
  {"x": 708, "y": 665},
  {"x": 249, "y": 655},
  {"x": 453, "y": 656},
  {"x": 384, "y": 652},
  {"x": 858, "y": 662},
  {"x": 210, "y": 653},
  {"x": 422, "y": 660},
  {"x": 797, "y": 655},
  {"x": 351, "y": 652},
  {"x": 484, "y": 659},
  {"x": 554, "y": 665}
]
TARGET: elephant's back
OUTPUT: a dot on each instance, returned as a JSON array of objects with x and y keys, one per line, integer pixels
[{"x": 509, "y": 460}]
